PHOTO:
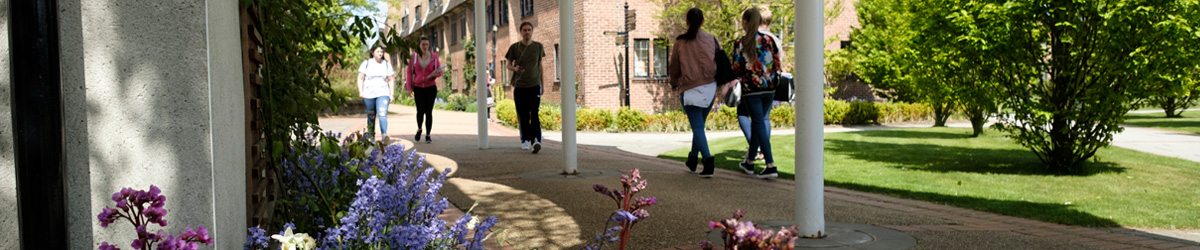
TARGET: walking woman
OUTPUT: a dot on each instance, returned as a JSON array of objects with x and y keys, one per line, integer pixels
[
  {"x": 756, "y": 63},
  {"x": 691, "y": 73},
  {"x": 375, "y": 86},
  {"x": 423, "y": 71}
]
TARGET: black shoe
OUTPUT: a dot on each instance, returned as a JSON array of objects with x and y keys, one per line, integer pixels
[
  {"x": 427, "y": 140},
  {"x": 709, "y": 165},
  {"x": 537, "y": 146},
  {"x": 747, "y": 167},
  {"x": 691, "y": 164},
  {"x": 768, "y": 173},
  {"x": 418, "y": 137}
]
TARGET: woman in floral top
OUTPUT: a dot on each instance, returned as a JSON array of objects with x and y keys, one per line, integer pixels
[{"x": 756, "y": 63}]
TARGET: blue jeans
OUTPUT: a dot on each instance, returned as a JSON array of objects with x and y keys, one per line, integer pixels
[
  {"x": 377, "y": 106},
  {"x": 696, "y": 117},
  {"x": 759, "y": 106}
]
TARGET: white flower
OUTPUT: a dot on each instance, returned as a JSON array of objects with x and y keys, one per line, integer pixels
[{"x": 300, "y": 241}]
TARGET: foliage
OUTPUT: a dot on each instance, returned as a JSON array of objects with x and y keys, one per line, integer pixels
[
  {"x": 550, "y": 116},
  {"x": 630, "y": 119},
  {"x": 745, "y": 235},
  {"x": 1069, "y": 71},
  {"x": 630, "y": 209},
  {"x": 1188, "y": 123},
  {"x": 363, "y": 194},
  {"x": 469, "y": 65},
  {"x": 835, "y": 111},
  {"x": 881, "y": 47},
  {"x": 593, "y": 119},
  {"x": 133, "y": 208},
  {"x": 506, "y": 112},
  {"x": 458, "y": 102},
  {"x": 671, "y": 121},
  {"x": 302, "y": 41}
]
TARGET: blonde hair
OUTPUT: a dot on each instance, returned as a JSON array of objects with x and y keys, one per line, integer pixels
[
  {"x": 765, "y": 12},
  {"x": 751, "y": 19}
]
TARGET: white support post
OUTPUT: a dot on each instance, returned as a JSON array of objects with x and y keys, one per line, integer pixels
[
  {"x": 810, "y": 137},
  {"x": 481, "y": 68},
  {"x": 566, "y": 62}
]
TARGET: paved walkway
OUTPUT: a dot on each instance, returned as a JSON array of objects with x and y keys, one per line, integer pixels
[{"x": 541, "y": 209}]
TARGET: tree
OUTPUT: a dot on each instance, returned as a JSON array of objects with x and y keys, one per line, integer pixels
[
  {"x": 1070, "y": 70},
  {"x": 469, "y": 67},
  {"x": 1175, "y": 75},
  {"x": 723, "y": 18},
  {"x": 950, "y": 70}
]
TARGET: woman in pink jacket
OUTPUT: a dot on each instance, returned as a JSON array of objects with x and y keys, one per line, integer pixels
[
  {"x": 691, "y": 73},
  {"x": 423, "y": 71}
]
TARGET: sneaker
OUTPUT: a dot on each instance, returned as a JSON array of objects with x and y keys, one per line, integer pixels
[
  {"x": 418, "y": 137},
  {"x": 709, "y": 166},
  {"x": 525, "y": 145},
  {"x": 427, "y": 140},
  {"x": 768, "y": 173},
  {"x": 537, "y": 146},
  {"x": 747, "y": 167}
]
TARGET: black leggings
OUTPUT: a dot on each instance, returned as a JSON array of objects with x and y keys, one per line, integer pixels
[{"x": 425, "y": 96}]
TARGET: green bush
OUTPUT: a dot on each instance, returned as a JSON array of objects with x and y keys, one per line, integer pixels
[
  {"x": 457, "y": 102},
  {"x": 593, "y": 119},
  {"x": 550, "y": 117},
  {"x": 724, "y": 119},
  {"x": 472, "y": 108},
  {"x": 783, "y": 116},
  {"x": 671, "y": 121},
  {"x": 506, "y": 111},
  {"x": 835, "y": 111},
  {"x": 403, "y": 97},
  {"x": 630, "y": 119},
  {"x": 862, "y": 112}
]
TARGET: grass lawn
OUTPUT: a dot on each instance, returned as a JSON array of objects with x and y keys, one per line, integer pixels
[
  {"x": 991, "y": 173},
  {"x": 1190, "y": 122}
]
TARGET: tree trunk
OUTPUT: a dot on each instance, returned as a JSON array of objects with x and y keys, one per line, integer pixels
[
  {"x": 941, "y": 112},
  {"x": 978, "y": 118}
]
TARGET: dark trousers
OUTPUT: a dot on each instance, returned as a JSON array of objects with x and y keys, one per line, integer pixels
[
  {"x": 424, "y": 97},
  {"x": 528, "y": 100}
]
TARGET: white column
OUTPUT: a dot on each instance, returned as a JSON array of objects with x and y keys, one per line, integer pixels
[
  {"x": 810, "y": 137},
  {"x": 481, "y": 68},
  {"x": 566, "y": 62}
]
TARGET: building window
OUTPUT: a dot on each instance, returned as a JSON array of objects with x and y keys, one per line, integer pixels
[
  {"x": 404, "y": 22},
  {"x": 503, "y": 12},
  {"x": 453, "y": 34},
  {"x": 556, "y": 61},
  {"x": 463, "y": 23},
  {"x": 433, "y": 4},
  {"x": 417, "y": 11},
  {"x": 641, "y": 58},
  {"x": 526, "y": 8},
  {"x": 491, "y": 14},
  {"x": 434, "y": 43},
  {"x": 660, "y": 59},
  {"x": 504, "y": 72}
]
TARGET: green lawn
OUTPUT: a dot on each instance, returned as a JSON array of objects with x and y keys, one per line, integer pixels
[
  {"x": 991, "y": 173},
  {"x": 1190, "y": 122}
]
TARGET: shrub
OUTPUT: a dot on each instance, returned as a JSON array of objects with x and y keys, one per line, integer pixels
[
  {"x": 783, "y": 116},
  {"x": 671, "y": 121},
  {"x": 472, "y": 108},
  {"x": 630, "y": 119},
  {"x": 458, "y": 102},
  {"x": 506, "y": 111},
  {"x": 862, "y": 112},
  {"x": 724, "y": 119},
  {"x": 593, "y": 119},
  {"x": 835, "y": 111},
  {"x": 550, "y": 117}
]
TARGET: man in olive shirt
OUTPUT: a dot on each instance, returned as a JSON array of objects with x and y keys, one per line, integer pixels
[{"x": 525, "y": 61}]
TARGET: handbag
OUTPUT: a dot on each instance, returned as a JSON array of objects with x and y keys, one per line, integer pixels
[
  {"x": 724, "y": 66},
  {"x": 733, "y": 96},
  {"x": 784, "y": 91}
]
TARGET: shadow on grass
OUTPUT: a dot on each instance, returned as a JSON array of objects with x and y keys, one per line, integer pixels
[
  {"x": 1048, "y": 212},
  {"x": 911, "y": 134},
  {"x": 942, "y": 159},
  {"x": 1163, "y": 123}
]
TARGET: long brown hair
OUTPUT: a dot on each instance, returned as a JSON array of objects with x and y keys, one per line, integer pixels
[
  {"x": 751, "y": 19},
  {"x": 695, "y": 17}
]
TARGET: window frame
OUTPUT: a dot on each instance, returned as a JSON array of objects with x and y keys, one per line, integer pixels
[
  {"x": 503, "y": 12},
  {"x": 556, "y": 64},
  {"x": 526, "y": 8},
  {"x": 637, "y": 50},
  {"x": 666, "y": 56}
]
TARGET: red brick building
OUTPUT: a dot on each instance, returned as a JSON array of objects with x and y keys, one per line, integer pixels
[{"x": 599, "y": 59}]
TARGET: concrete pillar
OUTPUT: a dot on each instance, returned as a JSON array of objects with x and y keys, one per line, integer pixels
[
  {"x": 152, "y": 95},
  {"x": 481, "y": 69},
  {"x": 810, "y": 137},
  {"x": 9, "y": 231}
]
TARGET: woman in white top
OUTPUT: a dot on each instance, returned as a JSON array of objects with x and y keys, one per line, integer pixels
[{"x": 375, "y": 86}]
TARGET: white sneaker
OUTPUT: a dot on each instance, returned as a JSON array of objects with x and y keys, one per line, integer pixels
[
  {"x": 525, "y": 145},
  {"x": 537, "y": 146}
]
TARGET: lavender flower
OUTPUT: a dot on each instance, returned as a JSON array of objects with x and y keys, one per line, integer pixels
[
  {"x": 257, "y": 240},
  {"x": 133, "y": 206}
]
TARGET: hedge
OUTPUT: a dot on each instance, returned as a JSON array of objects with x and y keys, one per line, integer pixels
[{"x": 724, "y": 118}]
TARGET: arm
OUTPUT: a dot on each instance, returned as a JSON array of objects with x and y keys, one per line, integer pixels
[
  {"x": 437, "y": 66},
  {"x": 673, "y": 69},
  {"x": 410, "y": 75},
  {"x": 360, "y": 78}
]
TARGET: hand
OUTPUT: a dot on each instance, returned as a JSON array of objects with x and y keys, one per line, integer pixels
[{"x": 430, "y": 77}]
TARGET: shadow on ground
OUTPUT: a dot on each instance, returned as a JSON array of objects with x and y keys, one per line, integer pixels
[
  {"x": 943, "y": 159},
  {"x": 1048, "y": 212}
]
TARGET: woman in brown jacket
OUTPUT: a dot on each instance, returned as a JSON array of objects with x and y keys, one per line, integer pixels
[{"x": 691, "y": 74}]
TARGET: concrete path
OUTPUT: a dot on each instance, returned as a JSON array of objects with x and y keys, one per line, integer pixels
[{"x": 551, "y": 211}]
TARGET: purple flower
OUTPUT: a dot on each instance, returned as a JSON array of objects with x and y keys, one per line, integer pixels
[
  {"x": 106, "y": 246},
  {"x": 622, "y": 215},
  {"x": 256, "y": 240}
]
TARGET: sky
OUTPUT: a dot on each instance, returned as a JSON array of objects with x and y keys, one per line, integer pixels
[{"x": 379, "y": 16}]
